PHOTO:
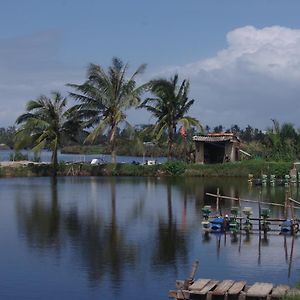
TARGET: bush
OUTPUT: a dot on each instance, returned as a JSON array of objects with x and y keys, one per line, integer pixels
[{"x": 174, "y": 167}]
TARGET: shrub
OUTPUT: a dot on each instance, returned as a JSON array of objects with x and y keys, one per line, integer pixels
[{"x": 174, "y": 167}]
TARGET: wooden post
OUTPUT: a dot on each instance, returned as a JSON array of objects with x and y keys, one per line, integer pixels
[
  {"x": 190, "y": 280},
  {"x": 291, "y": 257},
  {"x": 285, "y": 205},
  {"x": 194, "y": 270},
  {"x": 218, "y": 200}
]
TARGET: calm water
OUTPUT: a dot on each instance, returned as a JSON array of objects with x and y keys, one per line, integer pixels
[
  {"x": 127, "y": 238},
  {"x": 45, "y": 156}
]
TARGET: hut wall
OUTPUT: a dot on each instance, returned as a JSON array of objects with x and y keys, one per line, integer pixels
[
  {"x": 229, "y": 152},
  {"x": 199, "y": 157}
]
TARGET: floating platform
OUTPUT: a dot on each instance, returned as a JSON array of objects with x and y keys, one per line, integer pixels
[{"x": 210, "y": 289}]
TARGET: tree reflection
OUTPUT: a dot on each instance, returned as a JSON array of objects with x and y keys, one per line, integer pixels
[
  {"x": 171, "y": 242},
  {"x": 40, "y": 223},
  {"x": 99, "y": 244}
]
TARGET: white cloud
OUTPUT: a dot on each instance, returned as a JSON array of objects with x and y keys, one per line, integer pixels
[{"x": 255, "y": 78}]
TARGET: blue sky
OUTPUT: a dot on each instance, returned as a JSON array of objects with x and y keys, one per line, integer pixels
[{"x": 241, "y": 57}]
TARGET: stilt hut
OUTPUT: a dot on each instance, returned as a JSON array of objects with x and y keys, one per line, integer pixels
[{"x": 216, "y": 148}]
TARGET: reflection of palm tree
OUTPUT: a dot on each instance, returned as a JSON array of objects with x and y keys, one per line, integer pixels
[
  {"x": 101, "y": 247},
  {"x": 41, "y": 223},
  {"x": 171, "y": 242}
]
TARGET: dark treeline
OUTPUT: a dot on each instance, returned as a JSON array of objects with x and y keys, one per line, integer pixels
[{"x": 279, "y": 142}]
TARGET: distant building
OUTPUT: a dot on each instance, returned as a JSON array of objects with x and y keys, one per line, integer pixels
[{"x": 217, "y": 148}]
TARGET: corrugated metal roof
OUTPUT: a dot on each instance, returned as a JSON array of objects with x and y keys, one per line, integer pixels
[{"x": 216, "y": 138}]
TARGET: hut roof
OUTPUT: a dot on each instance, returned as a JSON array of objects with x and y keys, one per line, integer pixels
[{"x": 216, "y": 137}]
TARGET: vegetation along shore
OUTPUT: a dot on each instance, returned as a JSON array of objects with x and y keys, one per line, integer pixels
[{"x": 170, "y": 168}]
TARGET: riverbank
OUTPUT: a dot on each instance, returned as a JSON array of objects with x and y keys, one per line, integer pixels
[{"x": 170, "y": 168}]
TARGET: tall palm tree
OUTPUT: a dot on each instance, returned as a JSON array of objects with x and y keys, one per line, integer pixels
[
  {"x": 169, "y": 105},
  {"x": 105, "y": 96},
  {"x": 46, "y": 123}
]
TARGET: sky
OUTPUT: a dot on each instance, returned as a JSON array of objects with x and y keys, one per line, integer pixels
[{"x": 242, "y": 58}]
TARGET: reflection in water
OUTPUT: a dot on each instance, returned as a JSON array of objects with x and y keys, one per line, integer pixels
[
  {"x": 41, "y": 222},
  {"x": 101, "y": 247},
  {"x": 133, "y": 236},
  {"x": 261, "y": 239},
  {"x": 171, "y": 242}
]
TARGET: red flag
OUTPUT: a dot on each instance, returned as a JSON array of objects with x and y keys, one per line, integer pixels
[{"x": 183, "y": 132}]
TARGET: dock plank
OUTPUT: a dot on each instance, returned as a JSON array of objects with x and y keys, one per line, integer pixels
[
  {"x": 260, "y": 289},
  {"x": 172, "y": 294},
  {"x": 279, "y": 291},
  {"x": 199, "y": 284},
  {"x": 206, "y": 288},
  {"x": 183, "y": 294},
  {"x": 237, "y": 287},
  {"x": 223, "y": 287}
]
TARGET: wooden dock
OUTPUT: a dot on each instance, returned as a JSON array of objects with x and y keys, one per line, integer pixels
[{"x": 209, "y": 289}]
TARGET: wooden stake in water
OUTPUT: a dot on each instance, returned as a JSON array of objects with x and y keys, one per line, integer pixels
[
  {"x": 194, "y": 270},
  {"x": 218, "y": 199}
]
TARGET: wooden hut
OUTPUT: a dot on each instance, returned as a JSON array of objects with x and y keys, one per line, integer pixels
[{"x": 217, "y": 148}]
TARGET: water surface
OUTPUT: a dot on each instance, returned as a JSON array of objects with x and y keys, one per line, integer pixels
[{"x": 128, "y": 238}]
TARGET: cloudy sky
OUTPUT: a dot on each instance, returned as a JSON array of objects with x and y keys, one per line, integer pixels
[{"x": 241, "y": 57}]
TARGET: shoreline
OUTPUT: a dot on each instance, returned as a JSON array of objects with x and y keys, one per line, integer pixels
[{"x": 170, "y": 168}]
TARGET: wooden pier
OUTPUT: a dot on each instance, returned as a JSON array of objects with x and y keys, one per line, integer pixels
[{"x": 210, "y": 289}]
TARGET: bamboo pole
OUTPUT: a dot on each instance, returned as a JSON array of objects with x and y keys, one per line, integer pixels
[
  {"x": 251, "y": 201},
  {"x": 218, "y": 199},
  {"x": 293, "y": 200}
]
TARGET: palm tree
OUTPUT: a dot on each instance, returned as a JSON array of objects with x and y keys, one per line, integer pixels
[
  {"x": 46, "y": 123},
  {"x": 105, "y": 96},
  {"x": 169, "y": 105}
]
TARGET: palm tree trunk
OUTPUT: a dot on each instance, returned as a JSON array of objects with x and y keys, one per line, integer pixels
[
  {"x": 170, "y": 143},
  {"x": 113, "y": 143},
  {"x": 54, "y": 160}
]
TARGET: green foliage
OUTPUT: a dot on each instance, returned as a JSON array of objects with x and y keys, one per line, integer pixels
[
  {"x": 240, "y": 169},
  {"x": 174, "y": 167},
  {"x": 170, "y": 168},
  {"x": 7, "y": 136},
  {"x": 44, "y": 124},
  {"x": 104, "y": 97},
  {"x": 18, "y": 156},
  {"x": 169, "y": 106}
]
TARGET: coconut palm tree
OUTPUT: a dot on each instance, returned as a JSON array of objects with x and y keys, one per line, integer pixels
[
  {"x": 169, "y": 106},
  {"x": 46, "y": 123},
  {"x": 104, "y": 97}
]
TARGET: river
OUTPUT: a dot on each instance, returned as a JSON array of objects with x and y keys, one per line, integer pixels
[{"x": 128, "y": 238}]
